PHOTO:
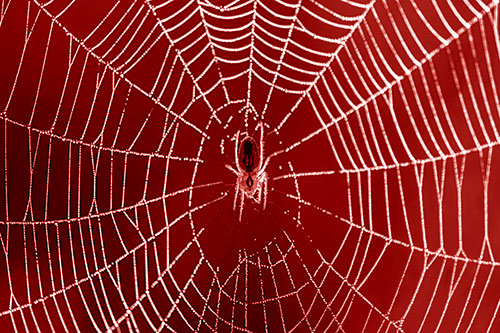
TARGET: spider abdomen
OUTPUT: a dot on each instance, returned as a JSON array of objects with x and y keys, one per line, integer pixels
[{"x": 248, "y": 154}]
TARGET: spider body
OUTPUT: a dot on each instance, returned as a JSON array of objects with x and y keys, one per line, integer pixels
[
  {"x": 250, "y": 170},
  {"x": 248, "y": 151}
]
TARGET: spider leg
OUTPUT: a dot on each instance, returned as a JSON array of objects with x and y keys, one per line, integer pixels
[
  {"x": 237, "y": 190},
  {"x": 259, "y": 195},
  {"x": 263, "y": 167},
  {"x": 261, "y": 144},
  {"x": 264, "y": 185},
  {"x": 241, "y": 204},
  {"x": 231, "y": 169},
  {"x": 236, "y": 144}
]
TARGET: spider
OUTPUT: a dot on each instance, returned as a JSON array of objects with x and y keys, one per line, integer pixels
[{"x": 250, "y": 171}]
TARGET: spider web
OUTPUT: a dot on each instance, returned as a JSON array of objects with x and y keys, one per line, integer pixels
[{"x": 118, "y": 119}]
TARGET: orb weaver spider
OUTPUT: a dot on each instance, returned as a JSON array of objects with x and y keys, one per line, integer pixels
[{"x": 250, "y": 171}]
